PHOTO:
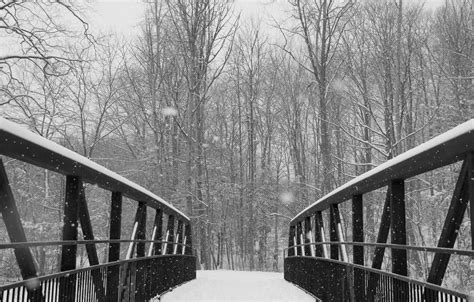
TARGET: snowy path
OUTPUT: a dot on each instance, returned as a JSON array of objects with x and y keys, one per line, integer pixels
[{"x": 237, "y": 286}]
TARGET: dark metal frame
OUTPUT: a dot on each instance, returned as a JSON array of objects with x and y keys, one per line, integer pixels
[
  {"x": 451, "y": 147},
  {"x": 18, "y": 143}
]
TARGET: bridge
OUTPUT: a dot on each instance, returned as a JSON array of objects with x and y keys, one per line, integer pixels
[{"x": 319, "y": 259}]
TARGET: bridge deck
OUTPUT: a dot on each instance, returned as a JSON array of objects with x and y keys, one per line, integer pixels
[{"x": 236, "y": 286}]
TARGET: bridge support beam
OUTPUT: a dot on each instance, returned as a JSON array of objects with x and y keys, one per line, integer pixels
[
  {"x": 398, "y": 236},
  {"x": 299, "y": 239},
  {"x": 157, "y": 235},
  {"x": 358, "y": 251},
  {"x": 188, "y": 239},
  {"x": 291, "y": 241},
  {"x": 179, "y": 237},
  {"x": 308, "y": 237},
  {"x": 398, "y": 226},
  {"x": 114, "y": 247},
  {"x": 379, "y": 252},
  {"x": 169, "y": 235},
  {"x": 88, "y": 234},
  {"x": 16, "y": 233},
  {"x": 452, "y": 223},
  {"x": 141, "y": 231},
  {"x": 67, "y": 285},
  {"x": 321, "y": 250},
  {"x": 333, "y": 233}
]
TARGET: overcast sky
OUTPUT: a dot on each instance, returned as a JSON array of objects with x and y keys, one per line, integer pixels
[{"x": 123, "y": 16}]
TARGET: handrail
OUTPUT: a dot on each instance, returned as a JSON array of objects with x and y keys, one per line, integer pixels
[
  {"x": 442, "y": 150},
  {"x": 442, "y": 250},
  {"x": 395, "y": 276},
  {"x": 82, "y": 269},
  {"x": 13, "y": 245},
  {"x": 19, "y": 143}
]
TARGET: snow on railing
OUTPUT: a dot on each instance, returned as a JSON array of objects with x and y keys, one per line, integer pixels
[{"x": 20, "y": 143}]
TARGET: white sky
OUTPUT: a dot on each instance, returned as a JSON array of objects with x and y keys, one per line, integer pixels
[{"x": 123, "y": 16}]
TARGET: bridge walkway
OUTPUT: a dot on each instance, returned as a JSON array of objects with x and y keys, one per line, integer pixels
[{"x": 223, "y": 285}]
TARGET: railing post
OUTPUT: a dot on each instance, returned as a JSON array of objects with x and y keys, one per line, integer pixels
[
  {"x": 398, "y": 236},
  {"x": 155, "y": 248},
  {"x": 308, "y": 237},
  {"x": 321, "y": 250},
  {"x": 333, "y": 234},
  {"x": 114, "y": 248},
  {"x": 16, "y": 233},
  {"x": 67, "y": 286},
  {"x": 470, "y": 179},
  {"x": 141, "y": 232},
  {"x": 189, "y": 239},
  {"x": 299, "y": 239},
  {"x": 179, "y": 237},
  {"x": 358, "y": 251},
  {"x": 169, "y": 235},
  {"x": 291, "y": 241}
]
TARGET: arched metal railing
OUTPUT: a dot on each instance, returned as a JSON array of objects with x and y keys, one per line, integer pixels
[
  {"x": 323, "y": 265},
  {"x": 149, "y": 268}
]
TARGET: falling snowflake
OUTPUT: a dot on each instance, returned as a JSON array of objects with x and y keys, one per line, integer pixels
[
  {"x": 32, "y": 283},
  {"x": 287, "y": 197},
  {"x": 169, "y": 111}
]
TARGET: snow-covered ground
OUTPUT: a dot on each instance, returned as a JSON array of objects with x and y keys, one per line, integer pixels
[{"x": 224, "y": 285}]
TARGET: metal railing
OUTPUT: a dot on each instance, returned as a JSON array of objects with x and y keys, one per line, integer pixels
[
  {"x": 388, "y": 286},
  {"x": 323, "y": 265},
  {"x": 150, "y": 266}
]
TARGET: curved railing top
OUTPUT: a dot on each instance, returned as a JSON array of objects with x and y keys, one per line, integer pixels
[
  {"x": 19, "y": 143},
  {"x": 442, "y": 150}
]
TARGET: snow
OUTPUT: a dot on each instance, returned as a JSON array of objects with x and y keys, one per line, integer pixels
[
  {"x": 222, "y": 285},
  {"x": 25, "y": 134},
  {"x": 465, "y": 128}
]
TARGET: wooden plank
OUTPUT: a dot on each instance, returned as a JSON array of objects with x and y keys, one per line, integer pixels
[{"x": 16, "y": 233}]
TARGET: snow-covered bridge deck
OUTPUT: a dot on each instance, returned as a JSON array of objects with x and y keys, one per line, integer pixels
[{"x": 237, "y": 286}]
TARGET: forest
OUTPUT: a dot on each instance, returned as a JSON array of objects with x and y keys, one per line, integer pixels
[{"x": 239, "y": 126}]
